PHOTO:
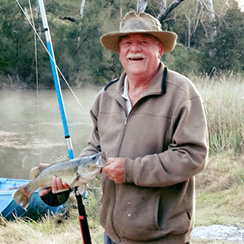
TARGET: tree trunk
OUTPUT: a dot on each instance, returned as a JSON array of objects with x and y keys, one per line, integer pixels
[
  {"x": 209, "y": 25},
  {"x": 164, "y": 10},
  {"x": 82, "y": 8},
  {"x": 193, "y": 22},
  {"x": 141, "y": 6},
  {"x": 188, "y": 32}
]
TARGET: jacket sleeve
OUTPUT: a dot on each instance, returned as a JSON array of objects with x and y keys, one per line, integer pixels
[{"x": 185, "y": 156}]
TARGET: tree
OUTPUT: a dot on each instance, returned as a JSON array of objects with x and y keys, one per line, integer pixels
[
  {"x": 77, "y": 25},
  {"x": 228, "y": 45},
  {"x": 141, "y": 6},
  {"x": 166, "y": 10},
  {"x": 209, "y": 23},
  {"x": 16, "y": 55}
]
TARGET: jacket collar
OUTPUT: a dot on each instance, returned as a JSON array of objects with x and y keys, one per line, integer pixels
[{"x": 158, "y": 86}]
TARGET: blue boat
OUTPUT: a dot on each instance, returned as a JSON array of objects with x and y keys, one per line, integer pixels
[{"x": 9, "y": 209}]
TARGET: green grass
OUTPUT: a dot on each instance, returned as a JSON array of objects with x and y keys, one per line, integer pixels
[
  {"x": 224, "y": 99},
  {"x": 219, "y": 188},
  {"x": 219, "y": 200}
]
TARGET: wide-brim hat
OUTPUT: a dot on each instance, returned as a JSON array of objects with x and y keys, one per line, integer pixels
[{"x": 142, "y": 23}]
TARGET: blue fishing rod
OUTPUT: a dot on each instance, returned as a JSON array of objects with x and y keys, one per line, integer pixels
[
  {"x": 56, "y": 80},
  {"x": 82, "y": 214}
]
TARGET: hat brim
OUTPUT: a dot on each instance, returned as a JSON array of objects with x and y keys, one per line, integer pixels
[{"x": 111, "y": 40}]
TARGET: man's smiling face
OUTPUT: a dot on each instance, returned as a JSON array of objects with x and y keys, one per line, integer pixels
[{"x": 140, "y": 54}]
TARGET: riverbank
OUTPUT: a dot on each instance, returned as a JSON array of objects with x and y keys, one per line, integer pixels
[{"x": 219, "y": 211}]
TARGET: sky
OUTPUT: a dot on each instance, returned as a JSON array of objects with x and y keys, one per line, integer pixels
[{"x": 241, "y": 4}]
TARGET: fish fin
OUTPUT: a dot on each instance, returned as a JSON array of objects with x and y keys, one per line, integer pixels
[
  {"x": 82, "y": 188},
  {"x": 74, "y": 182},
  {"x": 35, "y": 172},
  {"x": 60, "y": 159},
  {"x": 58, "y": 191},
  {"x": 87, "y": 175},
  {"x": 22, "y": 197},
  {"x": 104, "y": 157}
]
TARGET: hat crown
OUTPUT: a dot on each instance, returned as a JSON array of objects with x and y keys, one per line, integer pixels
[{"x": 139, "y": 23}]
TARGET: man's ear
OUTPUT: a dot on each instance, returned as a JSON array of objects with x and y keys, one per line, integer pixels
[{"x": 161, "y": 50}]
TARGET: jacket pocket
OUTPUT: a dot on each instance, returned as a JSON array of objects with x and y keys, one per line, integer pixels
[
  {"x": 179, "y": 224},
  {"x": 138, "y": 219}
]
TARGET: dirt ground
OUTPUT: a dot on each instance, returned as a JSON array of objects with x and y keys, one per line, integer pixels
[{"x": 232, "y": 234}]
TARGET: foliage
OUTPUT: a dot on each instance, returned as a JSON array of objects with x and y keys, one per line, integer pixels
[
  {"x": 15, "y": 35},
  {"x": 229, "y": 54},
  {"x": 183, "y": 60},
  {"x": 219, "y": 188},
  {"x": 80, "y": 55},
  {"x": 241, "y": 174}
]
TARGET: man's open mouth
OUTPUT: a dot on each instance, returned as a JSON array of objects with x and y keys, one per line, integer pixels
[{"x": 136, "y": 56}]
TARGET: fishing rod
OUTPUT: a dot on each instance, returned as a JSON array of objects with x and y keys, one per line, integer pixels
[
  {"x": 35, "y": 31},
  {"x": 82, "y": 214},
  {"x": 56, "y": 79}
]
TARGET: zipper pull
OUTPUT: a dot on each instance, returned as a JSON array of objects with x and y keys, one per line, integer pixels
[{"x": 126, "y": 119}]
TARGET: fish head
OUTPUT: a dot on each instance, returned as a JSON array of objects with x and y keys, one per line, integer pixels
[{"x": 93, "y": 163}]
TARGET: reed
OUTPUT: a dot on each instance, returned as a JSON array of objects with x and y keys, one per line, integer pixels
[
  {"x": 219, "y": 189},
  {"x": 224, "y": 100}
]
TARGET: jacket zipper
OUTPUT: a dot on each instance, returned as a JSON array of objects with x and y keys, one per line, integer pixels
[
  {"x": 118, "y": 152},
  {"x": 123, "y": 134}
]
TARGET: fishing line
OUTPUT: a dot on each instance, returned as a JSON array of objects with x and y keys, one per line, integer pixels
[
  {"x": 34, "y": 29},
  {"x": 37, "y": 82},
  {"x": 82, "y": 214}
]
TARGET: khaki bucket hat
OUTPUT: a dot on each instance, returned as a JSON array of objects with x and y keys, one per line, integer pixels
[{"x": 142, "y": 24}]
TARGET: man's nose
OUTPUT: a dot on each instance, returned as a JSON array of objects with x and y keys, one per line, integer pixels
[{"x": 135, "y": 46}]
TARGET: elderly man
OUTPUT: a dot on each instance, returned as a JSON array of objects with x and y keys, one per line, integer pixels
[{"x": 152, "y": 124}]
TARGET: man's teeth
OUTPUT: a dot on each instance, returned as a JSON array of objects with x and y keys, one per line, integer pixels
[{"x": 138, "y": 56}]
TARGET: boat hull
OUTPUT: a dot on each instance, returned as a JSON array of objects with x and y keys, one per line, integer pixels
[{"x": 9, "y": 209}]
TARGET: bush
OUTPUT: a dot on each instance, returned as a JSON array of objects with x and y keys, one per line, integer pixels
[{"x": 183, "y": 60}]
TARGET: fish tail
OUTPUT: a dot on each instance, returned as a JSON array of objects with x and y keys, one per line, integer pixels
[{"x": 22, "y": 197}]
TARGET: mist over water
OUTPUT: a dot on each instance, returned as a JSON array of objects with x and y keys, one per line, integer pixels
[{"x": 31, "y": 130}]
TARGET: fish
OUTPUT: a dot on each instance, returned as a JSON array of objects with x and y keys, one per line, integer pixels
[{"x": 75, "y": 172}]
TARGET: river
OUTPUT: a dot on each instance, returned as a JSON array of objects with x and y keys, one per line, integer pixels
[{"x": 31, "y": 130}]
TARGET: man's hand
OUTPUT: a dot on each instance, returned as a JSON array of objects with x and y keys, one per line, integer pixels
[
  {"x": 57, "y": 185},
  {"x": 115, "y": 169}
]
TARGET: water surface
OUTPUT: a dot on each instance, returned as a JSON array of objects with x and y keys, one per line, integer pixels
[{"x": 31, "y": 130}]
